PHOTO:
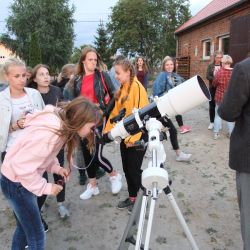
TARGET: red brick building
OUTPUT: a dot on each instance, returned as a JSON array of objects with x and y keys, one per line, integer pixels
[{"x": 221, "y": 25}]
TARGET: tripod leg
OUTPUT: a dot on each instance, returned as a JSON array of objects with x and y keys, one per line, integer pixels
[
  {"x": 141, "y": 221},
  {"x": 151, "y": 216},
  {"x": 181, "y": 218},
  {"x": 130, "y": 229}
]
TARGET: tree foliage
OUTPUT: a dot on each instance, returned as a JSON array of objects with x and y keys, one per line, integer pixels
[
  {"x": 147, "y": 27},
  {"x": 53, "y": 23},
  {"x": 102, "y": 44},
  {"x": 35, "y": 56}
]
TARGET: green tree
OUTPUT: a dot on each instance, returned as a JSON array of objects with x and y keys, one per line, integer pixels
[
  {"x": 53, "y": 23},
  {"x": 102, "y": 44},
  {"x": 147, "y": 27},
  {"x": 35, "y": 56}
]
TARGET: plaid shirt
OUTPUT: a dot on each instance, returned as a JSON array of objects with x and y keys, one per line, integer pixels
[{"x": 221, "y": 82}]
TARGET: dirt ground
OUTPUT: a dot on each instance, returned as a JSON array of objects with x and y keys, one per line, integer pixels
[{"x": 204, "y": 190}]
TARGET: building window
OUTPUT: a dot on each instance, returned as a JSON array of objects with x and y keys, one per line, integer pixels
[
  {"x": 224, "y": 44},
  {"x": 206, "y": 49}
]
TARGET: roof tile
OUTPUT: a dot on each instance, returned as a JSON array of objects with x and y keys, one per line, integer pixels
[{"x": 212, "y": 8}]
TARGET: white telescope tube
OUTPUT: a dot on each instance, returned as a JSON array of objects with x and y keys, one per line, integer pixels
[{"x": 183, "y": 98}]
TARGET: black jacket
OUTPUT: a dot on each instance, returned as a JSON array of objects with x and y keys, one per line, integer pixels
[
  {"x": 99, "y": 89},
  {"x": 235, "y": 106}
]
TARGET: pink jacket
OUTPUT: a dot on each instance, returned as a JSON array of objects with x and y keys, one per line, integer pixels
[{"x": 34, "y": 152}]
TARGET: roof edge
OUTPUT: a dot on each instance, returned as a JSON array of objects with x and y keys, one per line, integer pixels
[{"x": 210, "y": 17}]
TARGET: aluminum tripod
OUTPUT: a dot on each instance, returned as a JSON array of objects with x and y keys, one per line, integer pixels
[{"x": 154, "y": 180}]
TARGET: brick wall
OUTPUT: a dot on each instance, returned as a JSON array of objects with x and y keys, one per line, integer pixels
[{"x": 190, "y": 43}]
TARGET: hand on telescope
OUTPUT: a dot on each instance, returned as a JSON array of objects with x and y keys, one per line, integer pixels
[{"x": 103, "y": 139}]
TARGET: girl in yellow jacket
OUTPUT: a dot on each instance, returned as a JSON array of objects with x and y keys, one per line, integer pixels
[{"x": 130, "y": 95}]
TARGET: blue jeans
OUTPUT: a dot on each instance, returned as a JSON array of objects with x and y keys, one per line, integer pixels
[
  {"x": 29, "y": 228},
  {"x": 218, "y": 122}
]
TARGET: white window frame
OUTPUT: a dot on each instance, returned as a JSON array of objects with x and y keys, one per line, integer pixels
[
  {"x": 204, "y": 49},
  {"x": 220, "y": 41}
]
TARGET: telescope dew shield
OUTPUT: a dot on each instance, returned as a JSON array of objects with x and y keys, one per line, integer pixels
[
  {"x": 177, "y": 101},
  {"x": 184, "y": 97}
]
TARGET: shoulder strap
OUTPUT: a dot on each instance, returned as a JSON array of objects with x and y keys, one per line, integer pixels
[
  {"x": 108, "y": 83},
  {"x": 103, "y": 82}
]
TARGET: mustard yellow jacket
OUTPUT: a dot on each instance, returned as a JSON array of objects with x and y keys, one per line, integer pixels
[{"x": 137, "y": 98}]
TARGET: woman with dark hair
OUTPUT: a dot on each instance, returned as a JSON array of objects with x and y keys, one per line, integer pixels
[
  {"x": 44, "y": 134},
  {"x": 95, "y": 84},
  {"x": 142, "y": 71},
  {"x": 40, "y": 80}
]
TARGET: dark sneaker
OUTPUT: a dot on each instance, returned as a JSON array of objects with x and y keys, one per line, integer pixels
[
  {"x": 82, "y": 179},
  {"x": 130, "y": 208},
  {"x": 45, "y": 226},
  {"x": 124, "y": 204},
  {"x": 100, "y": 173}
]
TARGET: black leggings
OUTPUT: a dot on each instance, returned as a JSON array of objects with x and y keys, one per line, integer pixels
[
  {"x": 172, "y": 132},
  {"x": 212, "y": 91},
  {"x": 131, "y": 163},
  {"x": 179, "y": 120},
  {"x": 95, "y": 161},
  {"x": 61, "y": 196},
  {"x": 3, "y": 156}
]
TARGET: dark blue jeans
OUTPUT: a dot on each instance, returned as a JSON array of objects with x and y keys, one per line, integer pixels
[{"x": 29, "y": 228}]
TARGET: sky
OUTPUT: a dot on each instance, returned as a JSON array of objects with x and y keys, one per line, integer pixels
[{"x": 88, "y": 15}]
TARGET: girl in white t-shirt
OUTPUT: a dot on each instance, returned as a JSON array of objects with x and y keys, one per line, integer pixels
[{"x": 16, "y": 101}]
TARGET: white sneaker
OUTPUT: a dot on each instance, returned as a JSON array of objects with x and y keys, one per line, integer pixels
[
  {"x": 87, "y": 194},
  {"x": 183, "y": 157},
  {"x": 116, "y": 183},
  {"x": 63, "y": 211},
  {"x": 216, "y": 136},
  {"x": 211, "y": 126}
]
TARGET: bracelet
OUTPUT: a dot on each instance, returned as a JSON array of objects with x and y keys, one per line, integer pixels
[{"x": 18, "y": 125}]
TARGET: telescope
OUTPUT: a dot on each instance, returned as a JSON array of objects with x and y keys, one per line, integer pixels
[
  {"x": 176, "y": 101},
  {"x": 154, "y": 179}
]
